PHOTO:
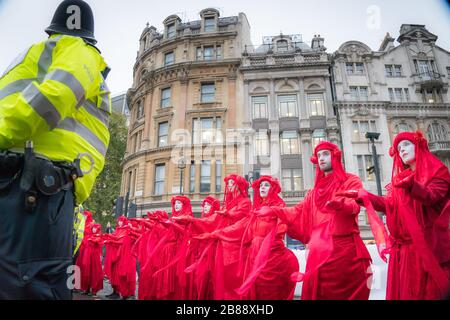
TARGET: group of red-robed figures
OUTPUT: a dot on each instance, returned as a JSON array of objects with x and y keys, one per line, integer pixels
[{"x": 237, "y": 250}]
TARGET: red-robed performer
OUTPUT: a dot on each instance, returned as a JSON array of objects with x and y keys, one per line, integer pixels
[
  {"x": 265, "y": 262},
  {"x": 203, "y": 251},
  {"x": 156, "y": 230},
  {"x": 120, "y": 263},
  {"x": 338, "y": 263},
  {"x": 419, "y": 261},
  {"x": 89, "y": 261},
  {"x": 171, "y": 282}
]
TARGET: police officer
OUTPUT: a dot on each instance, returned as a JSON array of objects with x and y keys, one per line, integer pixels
[{"x": 54, "y": 112}]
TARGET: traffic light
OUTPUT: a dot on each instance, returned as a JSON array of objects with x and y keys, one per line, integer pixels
[{"x": 118, "y": 206}]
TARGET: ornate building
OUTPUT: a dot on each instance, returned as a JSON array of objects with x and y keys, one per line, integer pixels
[
  {"x": 397, "y": 88},
  {"x": 289, "y": 110},
  {"x": 186, "y": 99}
]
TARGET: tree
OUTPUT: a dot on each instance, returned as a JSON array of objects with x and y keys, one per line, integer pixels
[{"x": 107, "y": 185}]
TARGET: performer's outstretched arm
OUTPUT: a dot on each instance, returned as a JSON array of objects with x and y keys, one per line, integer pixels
[{"x": 431, "y": 193}]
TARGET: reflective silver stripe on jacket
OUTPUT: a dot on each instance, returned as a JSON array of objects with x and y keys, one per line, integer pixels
[
  {"x": 73, "y": 125},
  {"x": 99, "y": 114},
  {"x": 46, "y": 58},
  {"x": 69, "y": 80},
  {"x": 15, "y": 87},
  {"x": 42, "y": 105}
]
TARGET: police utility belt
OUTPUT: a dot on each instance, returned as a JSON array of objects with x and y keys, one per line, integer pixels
[{"x": 37, "y": 174}]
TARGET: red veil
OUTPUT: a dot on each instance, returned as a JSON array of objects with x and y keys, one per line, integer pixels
[{"x": 432, "y": 244}]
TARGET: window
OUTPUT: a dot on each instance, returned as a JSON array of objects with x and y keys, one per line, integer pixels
[
  {"x": 169, "y": 59},
  {"x": 398, "y": 70},
  {"x": 192, "y": 177},
  {"x": 437, "y": 132},
  {"x": 218, "y": 175},
  {"x": 406, "y": 92},
  {"x": 259, "y": 107},
  {"x": 287, "y": 105},
  {"x": 171, "y": 31},
  {"x": 316, "y": 104},
  {"x": 393, "y": 70},
  {"x": 359, "y": 93},
  {"x": 360, "y": 128},
  {"x": 160, "y": 175},
  {"x": 261, "y": 144},
  {"x": 282, "y": 46},
  {"x": 165, "y": 97},
  {"x": 429, "y": 96},
  {"x": 210, "y": 24},
  {"x": 140, "y": 110},
  {"x": 399, "y": 94},
  {"x": 423, "y": 69},
  {"x": 290, "y": 143},
  {"x": 364, "y": 163},
  {"x": 448, "y": 72},
  {"x": 402, "y": 127},
  {"x": 292, "y": 180},
  {"x": 207, "y": 130},
  {"x": 389, "y": 70},
  {"x": 391, "y": 94},
  {"x": 205, "y": 176},
  {"x": 138, "y": 141},
  {"x": 354, "y": 68},
  {"x": 359, "y": 67},
  {"x": 208, "y": 53},
  {"x": 163, "y": 134},
  {"x": 318, "y": 136},
  {"x": 208, "y": 92}
]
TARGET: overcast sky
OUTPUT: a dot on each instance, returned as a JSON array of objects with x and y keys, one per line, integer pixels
[{"x": 119, "y": 24}]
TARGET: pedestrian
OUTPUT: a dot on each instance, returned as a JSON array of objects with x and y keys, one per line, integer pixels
[{"x": 54, "y": 110}]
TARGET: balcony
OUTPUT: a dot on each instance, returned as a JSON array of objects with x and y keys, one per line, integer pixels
[
  {"x": 439, "y": 147},
  {"x": 429, "y": 80}
]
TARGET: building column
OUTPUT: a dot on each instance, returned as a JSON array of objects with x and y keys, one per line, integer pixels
[
  {"x": 302, "y": 103},
  {"x": 272, "y": 102},
  {"x": 329, "y": 111},
  {"x": 370, "y": 75},
  {"x": 148, "y": 105}
]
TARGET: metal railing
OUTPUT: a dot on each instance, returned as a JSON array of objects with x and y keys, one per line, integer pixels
[{"x": 439, "y": 146}]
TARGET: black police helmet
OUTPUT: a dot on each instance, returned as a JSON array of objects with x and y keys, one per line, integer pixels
[{"x": 74, "y": 18}]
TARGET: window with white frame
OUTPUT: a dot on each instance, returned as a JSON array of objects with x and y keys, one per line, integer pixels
[
  {"x": 290, "y": 143},
  {"x": 365, "y": 162},
  {"x": 437, "y": 132},
  {"x": 356, "y": 68},
  {"x": 205, "y": 176},
  {"x": 259, "y": 106},
  {"x": 287, "y": 105},
  {"x": 261, "y": 143},
  {"x": 160, "y": 176},
  {"x": 163, "y": 134},
  {"x": 361, "y": 127},
  {"x": 171, "y": 31},
  {"x": 359, "y": 93},
  {"x": 291, "y": 180},
  {"x": 318, "y": 136},
  {"x": 210, "y": 24},
  {"x": 207, "y": 130},
  {"x": 169, "y": 59},
  {"x": 212, "y": 52},
  {"x": 393, "y": 70},
  {"x": 208, "y": 92},
  {"x": 316, "y": 104},
  {"x": 165, "y": 97}
]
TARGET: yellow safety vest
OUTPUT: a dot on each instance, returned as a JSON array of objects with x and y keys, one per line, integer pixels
[
  {"x": 55, "y": 95},
  {"x": 79, "y": 226}
]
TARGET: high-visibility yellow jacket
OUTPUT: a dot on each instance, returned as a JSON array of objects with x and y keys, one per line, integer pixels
[
  {"x": 79, "y": 226},
  {"x": 55, "y": 95}
]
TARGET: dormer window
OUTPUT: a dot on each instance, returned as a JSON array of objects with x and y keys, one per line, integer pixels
[
  {"x": 210, "y": 24},
  {"x": 282, "y": 45},
  {"x": 171, "y": 31}
]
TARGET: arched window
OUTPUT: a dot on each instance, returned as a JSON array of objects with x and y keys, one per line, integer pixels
[
  {"x": 402, "y": 127},
  {"x": 437, "y": 132}
]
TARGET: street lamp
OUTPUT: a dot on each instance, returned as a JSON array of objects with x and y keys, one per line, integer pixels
[
  {"x": 372, "y": 136},
  {"x": 181, "y": 166}
]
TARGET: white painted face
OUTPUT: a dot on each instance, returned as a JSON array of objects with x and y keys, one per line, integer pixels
[
  {"x": 324, "y": 158},
  {"x": 231, "y": 185},
  {"x": 178, "y": 205},
  {"x": 264, "y": 189},
  {"x": 120, "y": 223},
  {"x": 94, "y": 230},
  {"x": 407, "y": 151},
  {"x": 206, "y": 208}
]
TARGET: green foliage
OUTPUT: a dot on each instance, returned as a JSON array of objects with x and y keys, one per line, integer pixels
[{"x": 107, "y": 185}]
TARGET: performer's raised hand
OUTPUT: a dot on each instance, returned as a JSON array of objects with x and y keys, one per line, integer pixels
[
  {"x": 222, "y": 212},
  {"x": 335, "y": 204}
]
